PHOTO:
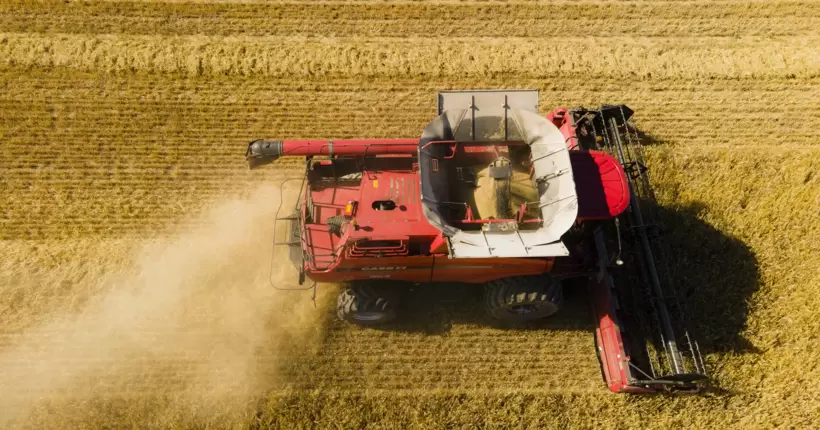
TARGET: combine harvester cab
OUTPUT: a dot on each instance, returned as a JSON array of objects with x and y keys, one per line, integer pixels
[{"x": 494, "y": 193}]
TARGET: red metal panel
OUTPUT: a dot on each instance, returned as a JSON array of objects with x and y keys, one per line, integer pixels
[
  {"x": 608, "y": 337},
  {"x": 320, "y": 244},
  {"x": 561, "y": 118},
  {"x": 439, "y": 245},
  {"x": 410, "y": 268},
  {"x": 349, "y": 147},
  {"x": 406, "y": 219},
  {"x": 431, "y": 268},
  {"x": 479, "y": 270},
  {"x": 609, "y": 340},
  {"x": 600, "y": 183},
  {"x": 331, "y": 200}
]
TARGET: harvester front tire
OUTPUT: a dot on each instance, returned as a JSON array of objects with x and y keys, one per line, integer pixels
[
  {"x": 521, "y": 299},
  {"x": 367, "y": 304}
]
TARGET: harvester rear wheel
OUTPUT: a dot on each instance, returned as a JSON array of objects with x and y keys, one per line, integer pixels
[
  {"x": 523, "y": 298},
  {"x": 367, "y": 303}
]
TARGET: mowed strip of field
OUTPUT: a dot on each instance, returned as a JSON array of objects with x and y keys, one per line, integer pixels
[{"x": 119, "y": 120}]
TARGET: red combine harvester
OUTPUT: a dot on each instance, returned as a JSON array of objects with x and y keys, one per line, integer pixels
[{"x": 494, "y": 193}]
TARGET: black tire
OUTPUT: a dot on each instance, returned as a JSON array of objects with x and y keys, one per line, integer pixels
[
  {"x": 520, "y": 299},
  {"x": 368, "y": 304}
]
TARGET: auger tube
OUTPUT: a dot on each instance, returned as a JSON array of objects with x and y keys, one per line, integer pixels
[{"x": 261, "y": 152}]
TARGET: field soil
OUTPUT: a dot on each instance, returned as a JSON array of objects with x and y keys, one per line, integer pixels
[{"x": 137, "y": 284}]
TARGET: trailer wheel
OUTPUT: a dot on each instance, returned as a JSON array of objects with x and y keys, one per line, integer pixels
[
  {"x": 523, "y": 298},
  {"x": 367, "y": 304}
]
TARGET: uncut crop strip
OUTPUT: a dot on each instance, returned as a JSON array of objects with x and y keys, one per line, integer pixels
[
  {"x": 560, "y": 19},
  {"x": 277, "y": 57}
]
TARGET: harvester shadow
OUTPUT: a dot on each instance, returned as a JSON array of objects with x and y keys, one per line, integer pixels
[
  {"x": 434, "y": 308},
  {"x": 714, "y": 274},
  {"x": 647, "y": 139}
]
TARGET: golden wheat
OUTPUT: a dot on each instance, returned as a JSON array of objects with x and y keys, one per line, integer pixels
[
  {"x": 621, "y": 56},
  {"x": 121, "y": 120},
  {"x": 407, "y": 19}
]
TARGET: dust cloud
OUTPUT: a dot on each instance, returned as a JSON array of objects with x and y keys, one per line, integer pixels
[{"x": 192, "y": 331}]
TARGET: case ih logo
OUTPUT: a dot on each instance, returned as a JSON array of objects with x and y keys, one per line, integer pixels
[{"x": 383, "y": 268}]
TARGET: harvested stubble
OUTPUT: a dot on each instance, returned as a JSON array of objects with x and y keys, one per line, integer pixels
[{"x": 119, "y": 120}]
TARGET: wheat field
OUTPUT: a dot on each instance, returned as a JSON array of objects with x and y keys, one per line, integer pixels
[{"x": 134, "y": 286}]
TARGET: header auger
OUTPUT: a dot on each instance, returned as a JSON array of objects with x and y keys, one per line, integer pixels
[{"x": 494, "y": 193}]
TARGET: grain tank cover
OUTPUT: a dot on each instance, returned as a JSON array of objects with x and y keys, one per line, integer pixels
[{"x": 488, "y": 117}]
